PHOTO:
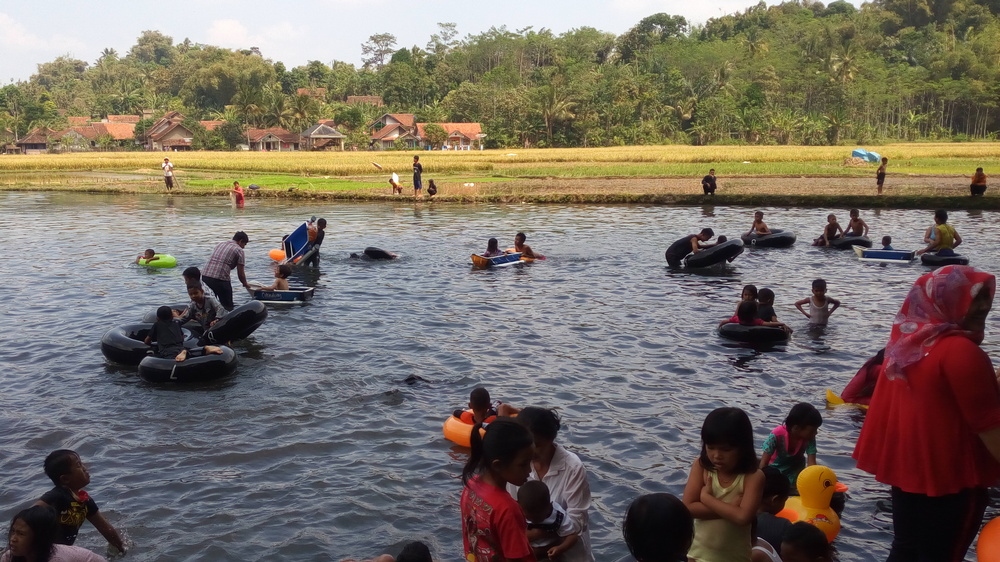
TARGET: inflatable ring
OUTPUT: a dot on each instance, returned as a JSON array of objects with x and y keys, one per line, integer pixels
[
  {"x": 277, "y": 255},
  {"x": 161, "y": 261},
  {"x": 716, "y": 254},
  {"x": 753, "y": 334},
  {"x": 988, "y": 547},
  {"x": 845, "y": 242},
  {"x": 193, "y": 369},
  {"x": 125, "y": 344},
  {"x": 236, "y": 325},
  {"x": 459, "y": 432},
  {"x": 935, "y": 260},
  {"x": 777, "y": 239}
]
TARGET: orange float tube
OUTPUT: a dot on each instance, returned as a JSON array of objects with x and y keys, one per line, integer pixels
[
  {"x": 277, "y": 255},
  {"x": 988, "y": 547},
  {"x": 458, "y": 431}
]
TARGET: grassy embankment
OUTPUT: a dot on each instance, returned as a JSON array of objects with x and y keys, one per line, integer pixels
[{"x": 920, "y": 175}]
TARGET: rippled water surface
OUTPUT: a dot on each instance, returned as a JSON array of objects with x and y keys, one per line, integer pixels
[{"x": 317, "y": 449}]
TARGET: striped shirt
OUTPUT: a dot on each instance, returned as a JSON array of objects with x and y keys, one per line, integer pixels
[{"x": 225, "y": 257}]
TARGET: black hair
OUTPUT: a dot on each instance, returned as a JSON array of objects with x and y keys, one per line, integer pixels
[
  {"x": 415, "y": 552},
  {"x": 149, "y": 251},
  {"x": 533, "y": 496},
  {"x": 241, "y": 236},
  {"x": 492, "y": 244},
  {"x": 658, "y": 528},
  {"x": 284, "y": 270},
  {"x": 321, "y": 223},
  {"x": 722, "y": 238},
  {"x": 765, "y": 295},
  {"x": 195, "y": 286},
  {"x": 479, "y": 398},
  {"x": 165, "y": 313},
  {"x": 708, "y": 232},
  {"x": 887, "y": 240},
  {"x": 541, "y": 422},
  {"x": 941, "y": 215},
  {"x": 803, "y": 414},
  {"x": 193, "y": 273},
  {"x": 746, "y": 312},
  {"x": 521, "y": 236},
  {"x": 59, "y": 463},
  {"x": 807, "y": 538},
  {"x": 416, "y": 158},
  {"x": 853, "y": 212},
  {"x": 752, "y": 289},
  {"x": 819, "y": 284},
  {"x": 732, "y": 427},
  {"x": 41, "y": 520},
  {"x": 503, "y": 440},
  {"x": 775, "y": 483},
  {"x": 979, "y": 169}
]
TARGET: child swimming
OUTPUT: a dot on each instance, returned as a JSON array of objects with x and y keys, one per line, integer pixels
[
  {"x": 724, "y": 488},
  {"x": 747, "y": 315},
  {"x": 759, "y": 227},
  {"x": 493, "y": 249},
  {"x": 148, "y": 256},
  {"x": 792, "y": 445}
]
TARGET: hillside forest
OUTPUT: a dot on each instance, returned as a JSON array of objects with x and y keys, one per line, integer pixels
[{"x": 796, "y": 73}]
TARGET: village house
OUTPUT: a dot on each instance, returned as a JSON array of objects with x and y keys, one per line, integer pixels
[
  {"x": 323, "y": 136},
  {"x": 170, "y": 133},
  {"x": 273, "y": 139},
  {"x": 393, "y": 128}
]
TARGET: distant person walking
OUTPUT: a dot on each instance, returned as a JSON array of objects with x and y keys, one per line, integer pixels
[
  {"x": 880, "y": 174},
  {"x": 168, "y": 173},
  {"x": 978, "y": 186},
  {"x": 708, "y": 183},
  {"x": 418, "y": 171},
  {"x": 227, "y": 256}
]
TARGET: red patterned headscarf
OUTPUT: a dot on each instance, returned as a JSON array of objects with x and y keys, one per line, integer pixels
[{"x": 935, "y": 307}]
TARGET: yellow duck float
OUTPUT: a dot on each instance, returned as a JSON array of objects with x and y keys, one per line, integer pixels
[{"x": 817, "y": 485}]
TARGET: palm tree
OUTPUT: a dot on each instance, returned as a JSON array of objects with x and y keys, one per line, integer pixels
[
  {"x": 554, "y": 106},
  {"x": 844, "y": 63}
]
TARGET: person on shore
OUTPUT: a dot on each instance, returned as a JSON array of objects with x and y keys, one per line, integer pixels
[
  {"x": 484, "y": 410},
  {"x": 856, "y": 226},
  {"x": 397, "y": 188},
  {"x": 690, "y": 244},
  {"x": 759, "y": 227},
  {"x": 658, "y": 528},
  {"x": 432, "y": 189},
  {"x": 227, "y": 256},
  {"x": 493, "y": 526},
  {"x": 936, "y": 404},
  {"x": 281, "y": 274},
  {"x": 708, "y": 183},
  {"x": 943, "y": 238},
  {"x": 493, "y": 249},
  {"x": 831, "y": 231},
  {"x": 880, "y": 175},
  {"x": 887, "y": 243},
  {"x": 724, "y": 488},
  {"x": 819, "y": 304},
  {"x": 791, "y": 446},
  {"x": 978, "y": 185},
  {"x": 71, "y": 503},
  {"x": 524, "y": 249},
  {"x": 238, "y": 195},
  {"x": 418, "y": 183},
  {"x": 550, "y": 531},
  {"x": 168, "y": 173},
  {"x": 147, "y": 257},
  {"x": 32, "y": 538},
  {"x": 317, "y": 242}
]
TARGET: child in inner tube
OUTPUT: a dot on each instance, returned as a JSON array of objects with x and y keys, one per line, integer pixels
[
  {"x": 484, "y": 410},
  {"x": 147, "y": 257},
  {"x": 746, "y": 315},
  {"x": 167, "y": 338}
]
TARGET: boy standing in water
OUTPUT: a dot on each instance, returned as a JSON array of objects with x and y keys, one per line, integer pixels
[
  {"x": 819, "y": 304},
  {"x": 880, "y": 174}
]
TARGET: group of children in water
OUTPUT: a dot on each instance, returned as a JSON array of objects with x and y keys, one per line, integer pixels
[
  {"x": 493, "y": 248},
  {"x": 756, "y": 308}
]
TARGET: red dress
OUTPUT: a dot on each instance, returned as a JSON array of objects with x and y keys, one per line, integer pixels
[
  {"x": 921, "y": 433},
  {"x": 493, "y": 525}
]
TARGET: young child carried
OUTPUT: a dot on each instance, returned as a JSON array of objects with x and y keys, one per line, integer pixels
[
  {"x": 792, "y": 445},
  {"x": 550, "y": 531},
  {"x": 819, "y": 304}
]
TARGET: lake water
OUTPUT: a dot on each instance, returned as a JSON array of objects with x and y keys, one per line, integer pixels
[{"x": 318, "y": 450}]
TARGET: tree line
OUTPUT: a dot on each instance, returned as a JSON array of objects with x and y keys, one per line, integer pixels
[{"x": 797, "y": 73}]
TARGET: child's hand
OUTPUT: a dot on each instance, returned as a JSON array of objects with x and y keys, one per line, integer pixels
[
  {"x": 706, "y": 492},
  {"x": 553, "y": 553}
]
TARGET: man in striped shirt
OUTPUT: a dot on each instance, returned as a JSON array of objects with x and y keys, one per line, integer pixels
[{"x": 226, "y": 256}]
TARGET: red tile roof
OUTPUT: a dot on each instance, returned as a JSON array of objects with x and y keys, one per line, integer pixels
[
  {"x": 124, "y": 119},
  {"x": 118, "y": 131},
  {"x": 78, "y": 121},
  {"x": 467, "y": 130},
  {"x": 255, "y": 135},
  {"x": 211, "y": 125},
  {"x": 87, "y": 132},
  {"x": 406, "y": 119},
  {"x": 38, "y": 135},
  {"x": 169, "y": 126},
  {"x": 387, "y": 131}
]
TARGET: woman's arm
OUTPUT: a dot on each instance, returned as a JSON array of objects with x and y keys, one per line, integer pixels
[
  {"x": 576, "y": 496},
  {"x": 692, "y": 493}
]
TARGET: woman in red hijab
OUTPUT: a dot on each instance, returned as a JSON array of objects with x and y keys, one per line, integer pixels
[{"x": 933, "y": 427}]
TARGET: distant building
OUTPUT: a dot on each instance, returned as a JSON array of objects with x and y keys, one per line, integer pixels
[
  {"x": 323, "y": 137},
  {"x": 273, "y": 139},
  {"x": 318, "y": 93},
  {"x": 391, "y": 128}
]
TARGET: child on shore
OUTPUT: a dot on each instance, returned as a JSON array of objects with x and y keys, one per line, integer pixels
[
  {"x": 880, "y": 174},
  {"x": 550, "y": 531},
  {"x": 819, "y": 304},
  {"x": 857, "y": 226},
  {"x": 493, "y": 249},
  {"x": 887, "y": 243},
  {"x": 493, "y": 526},
  {"x": 148, "y": 256},
  {"x": 483, "y": 410},
  {"x": 759, "y": 227},
  {"x": 792, "y": 445},
  {"x": 281, "y": 274},
  {"x": 71, "y": 503},
  {"x": 724, "y": 488},
  {"x": 831, "y": 231},
  {"x": 805, "y": 543},
  {"x": 658, "y": 527}
]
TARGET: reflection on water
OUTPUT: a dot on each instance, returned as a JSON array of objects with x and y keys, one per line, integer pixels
[{"x": 328, "y": 444}]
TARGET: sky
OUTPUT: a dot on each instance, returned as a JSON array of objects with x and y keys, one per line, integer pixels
[{"x": 297, "y": 31}]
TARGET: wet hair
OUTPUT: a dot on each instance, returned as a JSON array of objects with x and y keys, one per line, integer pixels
[
  {"x": 492, "y": 244},
  {"x": 765, "y": 295},
  {"x": 886, "y": 240},
  {"x": 541, "y": 422},
  {"x": 803, "y": 414},
  {"x": 41, "y": 520},
  {"x": 747, "y": 312},
  {"x": 321, "y": 223},
  {"x": 521, "y": 236},
  {"x": 831, "y": 216},
  {"x": 59, "y": 463},
  {"x": 723, "y": 238},
  {"x": 415, "y": 552},
  {"x": 732, "y": 427},
  {"x": 708, "y": 232},
  {"x": 775, "y": 483},
  {"x": 192, "y": 273},
  {"x": 658, "y": 528},
  {"x": 504, "y": 439},
  {"x": 533, "y": 496},
  {"x": 149, "y": 251},
  {"x": 752, "y": 289},
  {"x": 479, "y": 398},
  {"x": 809, "y": 539},
  {"x": 941, "y": 215},
  {"x": 165, "y": 313},
  {"x": 854, "y": 212},
  {"x": 241, "y": 236},
  {"x": 819, "y": 284},
  {"x": 284, "y": 270},
  {"x": 761, "y": 213}
]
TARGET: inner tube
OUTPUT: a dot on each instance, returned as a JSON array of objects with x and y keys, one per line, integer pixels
[
  {"x": 236, "y": 325},
  {"x": 458, "y": 432},
  {"x": 716, "y": 254},
  {"x": 777, "y": 239},
  {"x": 753, "y": 334},
  {"x": 936, "y": 260},
  {"x": 162, "y": 261},
  {"x": 845, "y": 242},
  {"x": 191, "y": 325},
  {"x": 193, "y": 369},
  {"x": 378, "y": 253},
  {"x": 125, "y": 344}
]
